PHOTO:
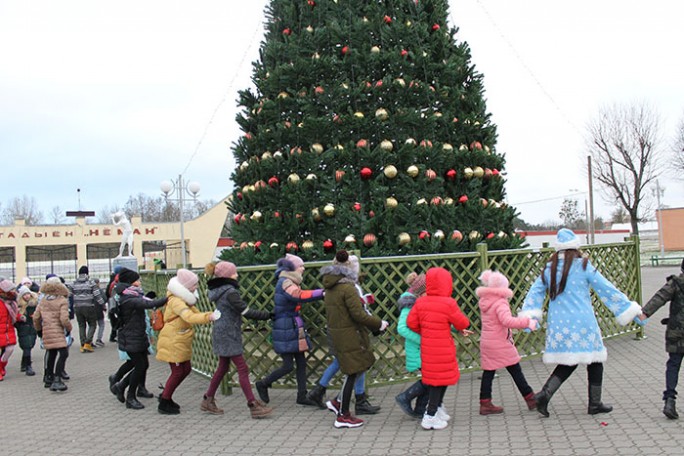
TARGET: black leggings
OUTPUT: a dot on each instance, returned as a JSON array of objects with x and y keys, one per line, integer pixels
[
  {"x": 288, "y": 361},
  {"x": 436, "y": 397},
  {"x": 137, "y": 376},
  {"x": 594, "y": 372},
  {"x": 61, "y": 361},
  {"x": 347, "y": 389},
  {"x": 518, "y": 377}
]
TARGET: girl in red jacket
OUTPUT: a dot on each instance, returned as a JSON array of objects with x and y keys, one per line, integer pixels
[
  {"x": 496, "y": 342},
  {"x": 433, "y": 316}
]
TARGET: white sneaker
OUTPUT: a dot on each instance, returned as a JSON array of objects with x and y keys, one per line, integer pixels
[
  {"x": 442, "y": 414},
  {"x": 432, "y": 422}
]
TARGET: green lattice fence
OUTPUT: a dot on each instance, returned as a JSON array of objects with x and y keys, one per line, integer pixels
[{"x": 384, "y": 277}]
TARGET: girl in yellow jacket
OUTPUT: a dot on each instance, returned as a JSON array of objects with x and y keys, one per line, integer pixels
[{"x": 174, "y": 344}]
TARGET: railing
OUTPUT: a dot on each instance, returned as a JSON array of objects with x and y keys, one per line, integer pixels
[{"x": 384, "y": 277}]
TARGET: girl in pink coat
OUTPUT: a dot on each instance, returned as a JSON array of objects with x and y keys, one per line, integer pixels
[{"x": 496, "y": 341}]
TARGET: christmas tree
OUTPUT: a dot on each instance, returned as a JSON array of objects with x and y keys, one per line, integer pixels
[{"x": 367, "y": 129}]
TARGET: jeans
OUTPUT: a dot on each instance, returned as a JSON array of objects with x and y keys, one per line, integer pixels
[
  {"x": 672, "y": 375},
  {"x": 288, "y": 360},
  {"x": 333, "y": 368}
]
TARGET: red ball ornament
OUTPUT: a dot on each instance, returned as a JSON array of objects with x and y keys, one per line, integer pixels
[
  {"x": 248, "y": 136},
  {"x": 426, "y": 143},
  {"x": 403, "y": 53},
  {"x": 463, "y": 199},
  {"x": 276, "y": 214},
  {"x": 430, "y": 175},
  {"x": 424, "y": 235},
  {"x": 435, "y": 27},
  {"x": 273, "y": 181},
  {"x": 345, "y": 50},
  {"x": 369, "y": 240},
  {"x": 319, "y": 90},
  {"x": 378, "y": 84},
  {"x": 366, "y": 173},
  {"x": 436, "y": 201},
  {"x": 311, "y": 3},
  {"x": 287, "y": 32},
  {"x": 387, "y": 20},
  {"x": 257, "y": 245},
  {"x": 291, "y": 246},
  {"x": 237, "y": 218},
  {"x": 475, "y": 145},
  {"x": 490, "y": 235},
  {"x": 371, "y": 214},
  {"x": 328, "y": 244},
  {"x": 357, "y": 207},
  {"x": 496, "y": 173},
  {"x": 239, "y": 195},
  {"x": 451, "y": 174},
  {"x": 337, "y": 118},
  {"x": 457, "y": 236},
  {"x": 361, "y": 143}
]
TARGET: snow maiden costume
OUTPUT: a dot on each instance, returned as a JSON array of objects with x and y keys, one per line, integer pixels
[{"x": 573, "y": 335}]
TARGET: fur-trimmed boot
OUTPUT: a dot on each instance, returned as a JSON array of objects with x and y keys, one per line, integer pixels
[
  {"x": 595, "y": 404},
  {"x": 316, "y": 395},
  {"x": 543, "y": 397}
]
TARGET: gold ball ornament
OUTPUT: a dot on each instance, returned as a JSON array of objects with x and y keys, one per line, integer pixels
[
  {"x": 463, "y": 148},
  {"x": 310, "y": 29},
  {"x": 381, "y": 114},
  {"x": 449, "y": 201},
  {"x": 244, "y": 165},
  {"x": 317, "y": 148},
  {"x": 283, "y": 95},
  {"x": 439, "y": 235},
  {"x": 403, "y": 238},
  {"x": 390, "y": 171},
  {"x": 359, "y": 115},
  {"x": 412, "y": 171},
  {"x": 277, "y": 154},
  {"x": 306, "y": 245},
  {"x": 256, "y": 216},
  {"x": 375, "y": 50},
  {"x": 387, "y": 145},
  {"x": 468, "y": 173},
  {"x": 391, "y": 202},
  {"x": 316, "y": 214},
  {"x": 446, "y": 147},
  {"x": 274, "y": 245},
  {"x": 266, "y": 155},
  {"x": 311, "y": 177},
  {"x": 421, "y": 202},
  {"x": 478, "y": 172},
  {"x": 400, "y": 82},
  {"x": 410, "y": 142},
  {"x": 329, "y": 209},
  {"x": 350, "y": 239},
  {"x": 473, "y": 235},
  {"x": 293, "y": 178}
]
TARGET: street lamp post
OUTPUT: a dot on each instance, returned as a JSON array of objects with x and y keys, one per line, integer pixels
[{"x": 180, "y": 188}]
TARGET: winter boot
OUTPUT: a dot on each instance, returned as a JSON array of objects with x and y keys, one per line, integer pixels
[
  {"x": 112, "y": 380},
  {"x": 262, "y": 390},
  {"x": 404, "y": 399},
  {"x": 487, "y": 408},
  {"x": 316, "y": 395},
  {"x": 142, "y": 392},
  {"x": 65, "y": 376},
  {"x": 595, "y": 404},
  {"x": 529, "y": 400},
  {"x": 543, "y": 397},
  {"x": 47, "y": 380},
  {"x": 118, "y": 390},
  {"x": 209, "y": 405},
  {"x": 166, "y": 407},
  {"x": 670, "y": 409},
  {"x": 133, "y": 403},
  {"x": 258, "y": 409},
  {"x": 29, "y": 368},
  {"x": 364, "y": 407},
  {"x": 3, "y": 372},
  {"x": 303, "y": 399},
  {"x": 58, "y": 384}
]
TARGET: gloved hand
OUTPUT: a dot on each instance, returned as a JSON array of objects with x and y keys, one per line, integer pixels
[
  {"x": 215, "y": 315},
  {"x": 369, "y": 298},
  {"x": 639, "y": 321},
  {"x": 40, "y": 334},
  {"x": 272, "y": 315},
  {"x": 384, "y": 325},
  {"x": 532, "y": 325}
]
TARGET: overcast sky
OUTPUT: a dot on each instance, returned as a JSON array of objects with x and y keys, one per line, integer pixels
[{"x": 114, "y": 97}]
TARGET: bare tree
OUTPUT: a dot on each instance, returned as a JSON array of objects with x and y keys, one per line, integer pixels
[
  {"x": 678, "y": 152},
  {"x": 569, "y": 213},
  {"x": 57, "y": 216},
  {"x": 625, "y": 145},
  {"x": 24, "y": 207}
]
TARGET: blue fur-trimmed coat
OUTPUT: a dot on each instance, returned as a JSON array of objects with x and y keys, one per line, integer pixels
[{"x": 573, "y": 335}]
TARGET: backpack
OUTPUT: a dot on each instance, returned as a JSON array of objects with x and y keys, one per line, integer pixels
[{"x": 157, "y": 319}]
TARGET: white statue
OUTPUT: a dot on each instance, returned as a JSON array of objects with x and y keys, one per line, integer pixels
[{"x": 119, "y": 218}]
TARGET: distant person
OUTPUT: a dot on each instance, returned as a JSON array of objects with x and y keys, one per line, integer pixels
[
  {"x": 8, "y": 317},
  {"x": 289, "y": 336},
  {"x": 88, "y": 302},
  {"x": 174, "y": 344},
  {"x": 101, "y": 310},
  {"x": 26, "y": 333},
  {"x": 111, "y": 304},
  {"x": 672, "y": 292},
  {"x": 51, "y": 320},
  {"x": 573, "y": 336}
]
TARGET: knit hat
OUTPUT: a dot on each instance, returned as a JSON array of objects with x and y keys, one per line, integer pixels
[
  {"x": 128, "y": 276},
  {"x": 493, "y": 279},
  {"x": 7, "y": 286},
  {"x": 295, "y": 260},
  {"x": 187, "y": 278},
  {"x": 83, "y": 270},
  {"x": 224, "y": 269},
  {"x": 22, "y": 291},
  {"x": 566, "y": 240},
  {"x": 416, "y": 283},
  {"x": 26, "y": 281},
  {"x": 117, "y": 269},
  {"x": 48, "y": 276}
]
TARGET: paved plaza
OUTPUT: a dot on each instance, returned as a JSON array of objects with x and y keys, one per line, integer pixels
[{"x": 88, "y": 420}]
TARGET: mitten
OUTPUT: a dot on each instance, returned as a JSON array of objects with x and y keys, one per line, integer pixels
[
  {"x": 384, "y": 325},
  {"x": 317, "y": 293},
  {"x": 215, "y": 315},
  {"x": 532, "y": 325},
  {"x": 640, "y": 322}
]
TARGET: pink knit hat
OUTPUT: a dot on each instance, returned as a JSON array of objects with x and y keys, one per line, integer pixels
[
  {"x": 416, "y": 283},
  {"x": 295, "y": 260},
  {"x": 225, "y": 269},
  {"x": 7, "y": 286},
  {"x": 187, "y": 278},
  {"x": 493, "y": 279}
]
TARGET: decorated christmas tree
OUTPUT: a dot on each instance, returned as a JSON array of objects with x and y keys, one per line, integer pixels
[{"x": 367, "y": 129}]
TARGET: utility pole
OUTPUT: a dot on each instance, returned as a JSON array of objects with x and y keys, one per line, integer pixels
[{"x": 591, "y": 201}]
